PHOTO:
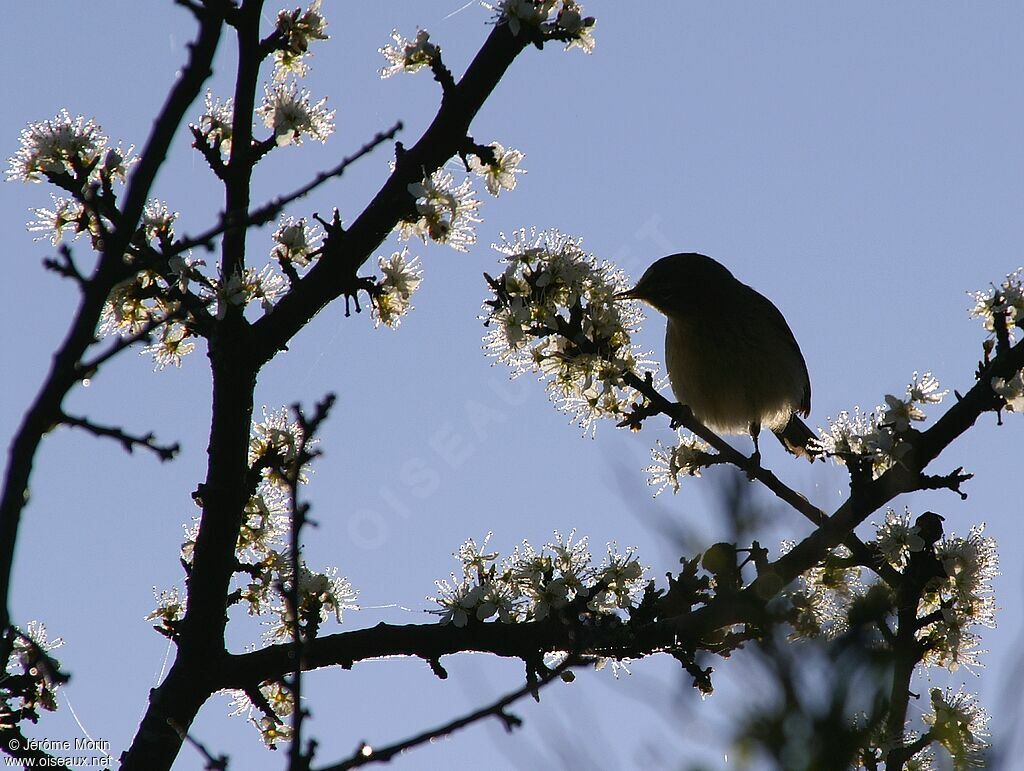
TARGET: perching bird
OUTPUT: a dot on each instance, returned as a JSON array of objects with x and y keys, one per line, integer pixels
[{"x": 731, "y": 356}]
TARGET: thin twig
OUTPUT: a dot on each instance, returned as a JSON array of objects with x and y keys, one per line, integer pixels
[
  {"x": 129, "y": 442},
  {"x": 218, "y": 763},
  {"x": 263, "y": 214},
  {"x": 367, "y": 754}
]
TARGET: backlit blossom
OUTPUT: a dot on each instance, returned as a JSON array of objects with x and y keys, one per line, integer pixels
[
  {"x": 531, "y": 584},
  {"x": 826, "y": 593},
  {"x": 686, "y": 458},
  {"x": 568, "y": 23},
  {"x": 215, "y": 123},
  {"x": 500, "y": 175},
  {"x": 170, "y": 608},
  {"x": 1006, "y": 300},
  {"x": 400, "y": 277},
  {"x": 1012, "y": 391},
  {"x": 171, "y": 346},
  {"x": 275, "y": 439},
  {"x": 961, "y": 602},
  {"x": 446, "y": 212},
  {"x": 548, "y": 280},
  {"x": 960, "y": 725},
  {"x": 407, "y": 55},
  {"x": 297, "y": 29},
  {"x": 134, "y": 303},
  {"x": 879, "y": 437},
  {"x": 51, "y": 223},
  {"x": 896, "y": 538},
  {"x": 294, "y": 241},
  {"x": 62, "y": 145},
  {"x": 158, "y": 222},
  {"x": 288, "y": 111}
]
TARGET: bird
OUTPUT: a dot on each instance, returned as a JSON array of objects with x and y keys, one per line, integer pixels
[{"x": 730, "y": 355}]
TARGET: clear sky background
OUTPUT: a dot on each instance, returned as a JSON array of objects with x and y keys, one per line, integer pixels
[{"x": 859, "y": 164}]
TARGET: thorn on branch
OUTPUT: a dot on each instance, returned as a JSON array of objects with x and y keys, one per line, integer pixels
[
  {"x": 950, "y": 481},
  {"x": 438, "y": 669},
  {"x": 442, "y": 74},
  {"x": 64, "y": 265},
  {"x": 511, "y": 722},
  {"x": 129, "y": 442}
]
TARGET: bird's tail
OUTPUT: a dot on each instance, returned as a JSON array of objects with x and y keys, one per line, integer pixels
[{"x": 796, "y": 436}]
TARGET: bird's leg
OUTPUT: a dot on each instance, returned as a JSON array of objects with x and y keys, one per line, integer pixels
[{"x": 755, "y": 429}]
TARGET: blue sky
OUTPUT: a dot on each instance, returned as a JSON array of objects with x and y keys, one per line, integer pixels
[{"x": 861, "y": 165}]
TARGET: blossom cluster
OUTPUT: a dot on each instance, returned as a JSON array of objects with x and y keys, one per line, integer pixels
[
  {"x": 531, "y": 584},
  {"x": 878, "y": 438},
  {"x": 1005, "y": 301},
  {"x": 73, "y": 154},
  {"x": 961, "y": 602},
  {"x": 265, "y": 565},
  {"x": 27, "y": 684},
  {"x": 70, "y": 152},
  {"x": 558, "y": 19},
  {"x": 554, "y": 313},
  {"x": 296, "y": 29},
  {"x": 825, "y": 595},
  {"x": 445, "y": 212},
  {"x": 950, "y": 608}
]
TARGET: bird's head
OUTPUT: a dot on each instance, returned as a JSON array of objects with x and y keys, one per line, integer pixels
[{"x": 681, "y": 284}]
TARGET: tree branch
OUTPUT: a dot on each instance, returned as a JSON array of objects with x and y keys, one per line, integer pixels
[
  {"x": 129, "y": 442},
  {"x": 65, "y": 373},
  {"x": 367, "y": 754},
  {"x": 442, "y": 139},
  {"x": 268, "y": 211}
]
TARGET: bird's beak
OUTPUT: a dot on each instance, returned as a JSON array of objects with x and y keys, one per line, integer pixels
[{"x": 629, "y": 294}]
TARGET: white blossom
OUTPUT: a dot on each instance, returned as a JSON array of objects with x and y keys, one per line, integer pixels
[
  {"x": 288, "y": 111},
  {"x": 1006, "y": 300},
  {"x": 446, "y": 212},
  {"x": 158, "y": 222},
  {"x": 52, "y": 223},
  {"x": 568, "y": 23},
  {"x": 400, "y": 278},
  {"x": 1012, "y": 391},
  {"x": 407, "y": 55},
  {"x": 171, "y": 346},
  {"x": 215, "y": 124},
  {"x": 63, "y": 145},
  {"x": 896, "y": 538},
  {"x": 686, "y": 458},
  {"x": 547, "y": 275},
  {"x": 297, "y": 29},
  {"x": 500, "y": 175},
  {"x": 960, "y": 725},
  {"x": 531, "y": 584},
  {"x": 294, "y": 241}
]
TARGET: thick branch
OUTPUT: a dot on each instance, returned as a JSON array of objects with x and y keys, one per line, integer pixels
[{"x": 442, "y": 140}]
